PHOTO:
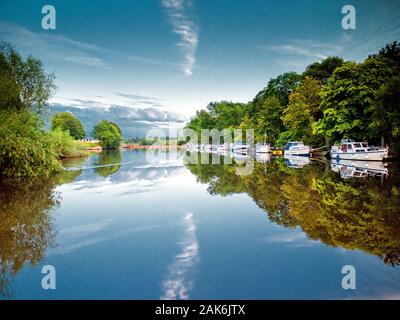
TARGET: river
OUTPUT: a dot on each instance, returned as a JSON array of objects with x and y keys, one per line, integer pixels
[{"x": 118, "y": 226}]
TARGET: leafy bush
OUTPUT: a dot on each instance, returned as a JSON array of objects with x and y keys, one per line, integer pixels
[
  {"x": 25, "y": 148},
  {"x": 64, "y": 145}
]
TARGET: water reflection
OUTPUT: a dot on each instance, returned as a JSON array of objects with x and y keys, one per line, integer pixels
[
  {"x": 348, "y": 213},
  {"x": 359, "y": 169},
  {"x": 26, "y": 228},
  {"x": 108, "y": 163}
]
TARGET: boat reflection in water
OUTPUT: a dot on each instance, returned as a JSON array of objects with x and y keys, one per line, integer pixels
[
  {"x": 263, "y": 157},
  {"x": 296, "y": 161},
  {"x": 358, "y": 169}
]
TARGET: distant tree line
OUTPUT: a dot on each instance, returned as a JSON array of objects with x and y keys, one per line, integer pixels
[{"x": 330, "y": 100}]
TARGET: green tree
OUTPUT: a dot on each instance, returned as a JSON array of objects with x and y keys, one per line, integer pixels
[
  {"x": 391, "y": 51},
  {"x": 26, "y": 149},
  {"x": 67, "y": 121},
  {"x": 24, "y": 83},
  {"x": 108, "y": 133},
  {"x": 323, "y": 70},
  {"x": 268, "y": 120},
  {"x": 348, "y": 100},
  {"x": 280, "y": 87},
  {"x": 303, "y": 110}
]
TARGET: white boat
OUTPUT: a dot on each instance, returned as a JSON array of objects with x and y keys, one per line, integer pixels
[
  {"x": 297, "y": 161},
  {"x": 297, "y": 148},
  {"x": 352, "y": 150},
  {"x": 263, "y": 147}
]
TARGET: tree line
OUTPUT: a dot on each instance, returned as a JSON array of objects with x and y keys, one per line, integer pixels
[{"x": 331, "y": 100}]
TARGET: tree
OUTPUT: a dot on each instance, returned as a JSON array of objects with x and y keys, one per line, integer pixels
[
  {"x": 24, "y": 83},
  {"x": 280, "y": 87},
  {"x": 386, "y": 116},
  {"x": 348, "y": 100},
  {"x": 67, "y": 121},
  {"x": 391, "y": 51},
  {"x": 268, "y": 120},
  {"x": 108, "y": 133},
  {"x": 26, "y": 149},
  {"x": 323, "y": 70},
  {"x": 303, "y": 110}
]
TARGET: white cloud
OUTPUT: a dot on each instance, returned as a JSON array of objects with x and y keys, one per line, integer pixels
[
  {"x": 54, "y": 47},
  {"x": 186, "y": 29},
  {"x": 306, "y": 48}
]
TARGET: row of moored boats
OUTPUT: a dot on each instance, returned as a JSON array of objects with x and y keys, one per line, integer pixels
[{"x": 348, "y": 149}]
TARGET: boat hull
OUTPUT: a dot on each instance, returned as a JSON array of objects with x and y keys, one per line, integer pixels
[
  {"x": 299, "y": 153},
  {"x": 359, "y": 156}
]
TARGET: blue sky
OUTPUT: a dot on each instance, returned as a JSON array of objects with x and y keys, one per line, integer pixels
[{"x": 175, "y": 56}]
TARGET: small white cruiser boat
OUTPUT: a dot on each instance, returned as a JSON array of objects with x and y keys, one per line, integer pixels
[
  {"x": 351, "y": 150},
  {"x": 263, "y": 147},
  {"x": 297, "y": 148}
]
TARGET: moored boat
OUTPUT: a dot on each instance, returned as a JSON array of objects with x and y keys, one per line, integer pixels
[
  {"x": 352, "y": 150},
  {"x": 297, "y": 148}
]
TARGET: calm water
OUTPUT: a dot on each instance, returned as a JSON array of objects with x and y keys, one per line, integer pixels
[{"x": 116, "y": 226}]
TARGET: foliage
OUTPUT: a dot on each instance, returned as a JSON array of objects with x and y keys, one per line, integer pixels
[
  {"x": 348, "y": 99},
  {"x": 108, "y": 133},
  {"x": 323, "y": 70},
  {"x": 66, "y": 121},
  {"x": 302, "y": 111},
  {"x": 64, "y": 145},
  {"x": 23, "y": 82},
  {"x": 280, "y": 87},
  {"x": 25, "y": 148}
]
